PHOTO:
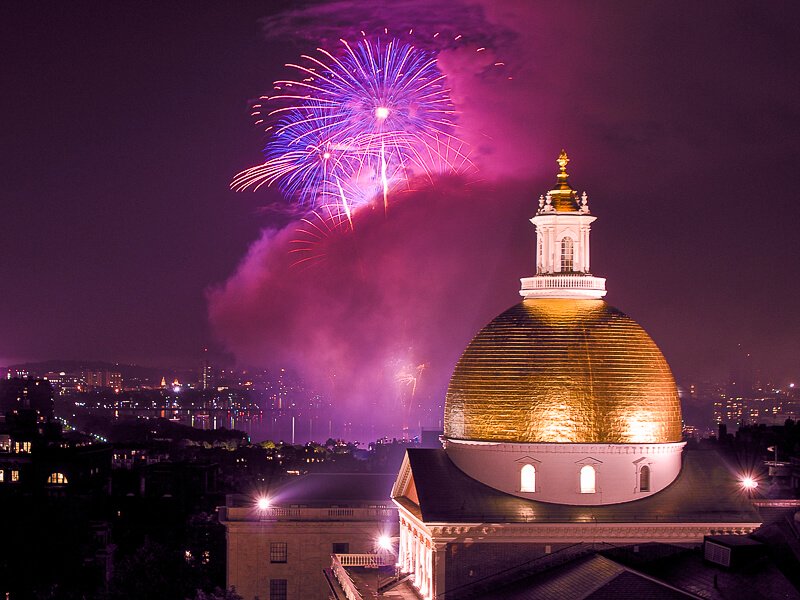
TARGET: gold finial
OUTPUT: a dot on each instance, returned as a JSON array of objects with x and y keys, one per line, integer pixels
[
  {"x": 562, "y": 160},
  {"x": 562, "y": 176}
]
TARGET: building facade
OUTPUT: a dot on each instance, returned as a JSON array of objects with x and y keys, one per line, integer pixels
[{"x": 279, "y": 544}]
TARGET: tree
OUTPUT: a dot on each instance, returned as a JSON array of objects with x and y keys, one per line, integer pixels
[
  {"x": 152, "y": 571},
  {"x": 218, "y": 594}
]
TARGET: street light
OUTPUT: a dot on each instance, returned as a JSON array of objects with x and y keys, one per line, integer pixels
[
  {"x": 263, "y": 503},
  {"x": 384, "y": 548},
  {"x": 385, "y": 542},
  {"x": 749, "y": 483}
]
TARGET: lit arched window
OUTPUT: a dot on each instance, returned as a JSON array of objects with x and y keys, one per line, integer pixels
[
  {"x": 566, "y": 254},
  {"x": 587, "y": 479},
  {"x": 644, "y": 479},
  {"x": 528, "y": 479},
  {"x": 57, "y": 478}
]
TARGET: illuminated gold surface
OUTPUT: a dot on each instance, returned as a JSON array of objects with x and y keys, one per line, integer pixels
[
  {"x": 563, "y": 197},
  {"x": 563, "y": 370}
]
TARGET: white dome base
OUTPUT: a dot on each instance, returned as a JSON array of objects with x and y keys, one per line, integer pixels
[{"x": 576, "y": 474}]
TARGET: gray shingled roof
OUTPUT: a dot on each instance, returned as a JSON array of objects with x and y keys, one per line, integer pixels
[
  {"x": 325, "y": 489},
  {"x": 706, "y": 491},
  {"x": 590, "y": 578}
]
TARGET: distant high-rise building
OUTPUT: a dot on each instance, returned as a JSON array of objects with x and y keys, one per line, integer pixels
[
  {"x": 206, "y": 375},
  {"x": 17, "y": 372},
  {"x": 101, "y": 378}
]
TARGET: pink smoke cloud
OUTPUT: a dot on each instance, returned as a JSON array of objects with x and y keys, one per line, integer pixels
[{"x": 400, "y": 290}]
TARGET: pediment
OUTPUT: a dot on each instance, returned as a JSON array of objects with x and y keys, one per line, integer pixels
[
  {"x": 528, "y": 460},
  {"x": 404, "y": 485}
]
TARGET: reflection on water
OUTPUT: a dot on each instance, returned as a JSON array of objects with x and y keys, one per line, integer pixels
[
  {"x": 275, "y": 425},
  {"x": 291, "y": 426}
]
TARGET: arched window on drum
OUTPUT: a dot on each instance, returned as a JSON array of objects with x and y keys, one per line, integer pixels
[
  {"x": 588, "y": 479},
  {"x": 644, "y": 479},
  {"x": 527, "y": 478}
]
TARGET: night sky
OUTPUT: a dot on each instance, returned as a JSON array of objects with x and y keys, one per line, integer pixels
[{"x": 123, "y": 124}]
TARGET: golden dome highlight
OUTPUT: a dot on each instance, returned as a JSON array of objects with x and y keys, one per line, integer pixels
[{"x": 563, "y": 370}]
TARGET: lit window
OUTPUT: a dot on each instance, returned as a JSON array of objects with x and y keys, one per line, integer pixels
[
  {"x": 277, "y": 589},
  {"x": 644, "y": 479},
  {"x": 2, "y": 476},
  {"x": 528, "y": 479},
  {"x": 278, "y": 552},
  {"x": 587, "y": 479},
  {"x": 22, "y": 447},
  {"x": 566, "y": 254},
  {"x": 14, "y": 475},
  {"x": 57, "y": 478}
]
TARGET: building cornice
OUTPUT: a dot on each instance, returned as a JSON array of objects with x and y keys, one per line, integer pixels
[
  {"x": 569, "y": 448},
  {"x": 589, "y": 531}
]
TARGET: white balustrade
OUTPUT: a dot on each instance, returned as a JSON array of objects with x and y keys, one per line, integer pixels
[
  {"x": 365, "y": 560},
  {"x": 278, "y": 513},
  {"x": 346, "y": 583},
  {"x": 563, "y": 286}
]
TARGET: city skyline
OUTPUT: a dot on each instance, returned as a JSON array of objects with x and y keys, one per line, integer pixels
[{"x": 121, "y": 221}]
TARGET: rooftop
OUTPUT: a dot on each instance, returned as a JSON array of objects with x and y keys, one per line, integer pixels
[
  {"x": 592, "y": 578},
  {"x": 316, "y": 490},
  {"x": 706, "y": 491},
  {"x": 324, "y": 489}
]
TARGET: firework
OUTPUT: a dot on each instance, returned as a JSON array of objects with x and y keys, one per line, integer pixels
[
  {"x": 355, "y": 126},
  {"x": 408, "y": 376}
]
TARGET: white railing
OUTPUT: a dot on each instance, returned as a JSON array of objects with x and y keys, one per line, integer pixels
[
  {"x": 563, "y": 286},
  {"x": 340, "y": 563},
  {"x": 279, "y": 513},
  {"x": 540, "y": 282},
  {"x": 348, "y": 587},
  {"x": 365, "y": 560}
]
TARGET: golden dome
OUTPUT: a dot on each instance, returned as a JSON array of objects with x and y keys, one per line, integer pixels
[{"x": 563, "y": 370}]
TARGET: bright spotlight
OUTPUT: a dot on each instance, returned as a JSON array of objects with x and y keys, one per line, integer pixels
[
  {"x": 385, "y": 542},
  {"x": 263, "y": 503},
  {"x": 749, "y": 483},
  {"x": 381, "y": 113}
]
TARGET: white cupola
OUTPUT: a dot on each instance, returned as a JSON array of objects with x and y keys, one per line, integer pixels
[{"x": 563, "y": 223}]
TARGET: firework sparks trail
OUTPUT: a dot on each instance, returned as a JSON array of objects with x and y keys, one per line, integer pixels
[
  {"x": 355, "y": 126},
  {"x": 312, "y": 229},
  {"x": 409, "y": 377}
]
